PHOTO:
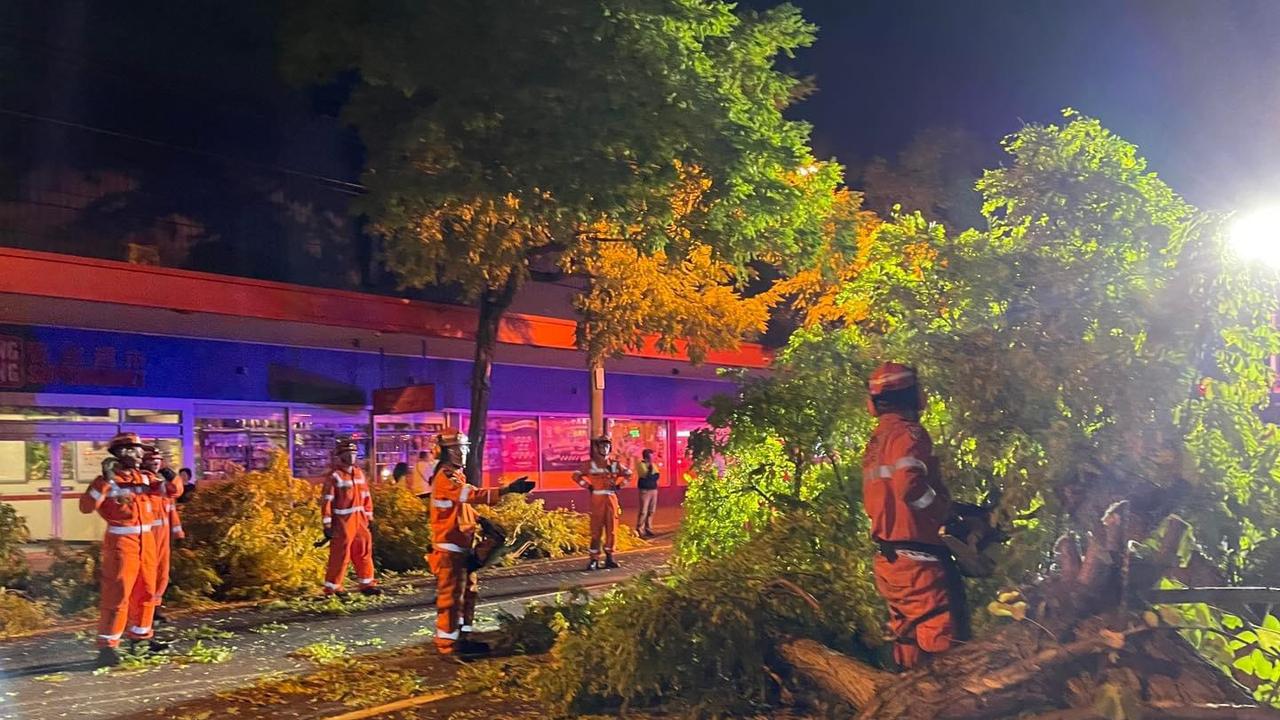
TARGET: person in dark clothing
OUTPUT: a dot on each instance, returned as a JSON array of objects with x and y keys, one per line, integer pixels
[
  {"x": 188, "y": 485},
  {"x": 647, "y": 481}
]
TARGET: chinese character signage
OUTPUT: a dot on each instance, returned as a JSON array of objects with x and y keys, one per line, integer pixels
[
  {"x": 511, "y": 446},
  {"x": 27, "y": 363}
]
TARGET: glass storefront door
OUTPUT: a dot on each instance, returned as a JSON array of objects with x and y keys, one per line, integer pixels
[{"x": 27, "y": 483}]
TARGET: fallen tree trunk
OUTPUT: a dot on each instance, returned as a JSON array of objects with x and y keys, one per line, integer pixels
[{"x": 1086, "y": 655}]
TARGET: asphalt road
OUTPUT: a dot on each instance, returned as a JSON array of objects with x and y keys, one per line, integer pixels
[{"x": 50, "y": 676}]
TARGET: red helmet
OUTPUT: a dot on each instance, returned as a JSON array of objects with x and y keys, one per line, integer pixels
[{"x": 891, "y": 376}]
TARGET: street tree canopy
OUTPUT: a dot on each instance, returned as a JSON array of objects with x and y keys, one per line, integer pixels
[{"x": 505, "y": 136}]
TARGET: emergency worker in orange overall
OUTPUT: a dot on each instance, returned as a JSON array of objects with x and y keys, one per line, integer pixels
[
  {"x": 453, "y": 543},
  {"x": 168, "y": 488},
  {"x": 903, "y": 494},
  {"x": 603, "y": 476},
  {"x": 347, "y": 508},
  {"x": 123, "y": 497}
]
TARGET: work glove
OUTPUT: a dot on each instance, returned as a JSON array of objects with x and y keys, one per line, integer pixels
[
  {"x": 328, "y": 532},
  {"x": 109, "y": 465},
  {"x": 519, "y": 485},
  {"x": 168, "y": 474}
]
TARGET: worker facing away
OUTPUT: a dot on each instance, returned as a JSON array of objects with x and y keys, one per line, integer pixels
[
  {"x": 124, "y": 496},
  {"x": 168, "y": 526},
  {"x": 458, "y": 550},
  {"x": 908, "y": 505},
  {"x": 347, "y": 509},
  {"x": 603, "y": 476}
]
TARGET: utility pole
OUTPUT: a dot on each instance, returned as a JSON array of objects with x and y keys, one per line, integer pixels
[{"x": 597, "y": 400}]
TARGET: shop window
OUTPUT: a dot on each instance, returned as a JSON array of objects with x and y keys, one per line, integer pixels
[
  {"x": 314, "y": 438},
  {"x": 682, "y": 463},
  {"x": 167, "y": 417},
  {"x": 401, "y": 437},
  {"x": 632, "y": 437},
  {"x": 23, "y": 462},
  {"x": 566, "y": 445},
  {"x": 510, "y": 448},
  {"x": 247, "y": 440},
  {"x": 61, "y": 414}
]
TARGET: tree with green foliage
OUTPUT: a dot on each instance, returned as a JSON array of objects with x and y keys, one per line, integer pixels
[
  {"x": 506, "y": 138},
  {"x": 1096, "y": 342}
]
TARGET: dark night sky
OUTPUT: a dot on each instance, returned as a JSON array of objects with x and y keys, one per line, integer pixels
[{"x": 1195, "y": 83}]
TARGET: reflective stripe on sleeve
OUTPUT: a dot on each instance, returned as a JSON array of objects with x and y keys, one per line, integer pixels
[
  {"x": 466, "y": 492},
  {"x": 448, "y": 547},
  {"x": 328, "y": 521},
  {"x": 96, "y": 495},
  {"x": 910, "y": 462},
  {"x": 917, "y": 556},
  {"x": 447, "y": 635},
  {"x": 442, "y": 503},
  {"x": 925, "y": 500},
  {"x": 326, "y": 497}
]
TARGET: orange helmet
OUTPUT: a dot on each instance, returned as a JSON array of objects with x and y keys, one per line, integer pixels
[
  {"x": 346, "y": 445},
  {"x": 891, "y": 376},
  {"x": 451, "y": 437},
  {"x": 124, "y": 439}
]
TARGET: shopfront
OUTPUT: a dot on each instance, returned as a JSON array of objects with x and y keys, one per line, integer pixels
[{"x": 216, "y": 405}]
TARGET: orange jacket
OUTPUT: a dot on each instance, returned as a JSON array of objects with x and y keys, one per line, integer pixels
[
  {"x": 126, "y": 500},
  {"x": 901, "y": 488},
  {"x": 453, "y": 520},
  {"x": 602, "y": 480},
  {"x": 345, "y": 494}
]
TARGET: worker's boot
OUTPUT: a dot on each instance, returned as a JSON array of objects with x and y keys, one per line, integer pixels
[
  {"x": 371, "y": 591},
  {"x": 609, "y": 562},
  {"x": 593, "y": 564},
  {"x": 108, "y": 657},
  {"x": 148, "y": 647}
]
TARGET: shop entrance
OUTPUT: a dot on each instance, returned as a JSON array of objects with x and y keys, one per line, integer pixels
[{"x": 43, "y": 476}]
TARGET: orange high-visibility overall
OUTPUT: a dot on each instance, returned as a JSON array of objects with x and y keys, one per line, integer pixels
[
  {"x": 453, "y": 533},
  {"x": 604, "y": 483},
  {"x": 167, "y": 525},
  {"x": 128, "y": 565},
  {"x": 347, "y": 507},
  {"x": 907, "y": 502}
]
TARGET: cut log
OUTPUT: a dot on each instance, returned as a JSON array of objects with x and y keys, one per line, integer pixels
[
  {"x": 854, "y": 682},
  {"x": 1094, "y": 648}
]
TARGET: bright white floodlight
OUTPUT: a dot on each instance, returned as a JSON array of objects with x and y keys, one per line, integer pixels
[{"x": 1255, "y": 237}]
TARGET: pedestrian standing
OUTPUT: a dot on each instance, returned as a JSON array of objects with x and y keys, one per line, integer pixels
[
  {"x": 188, "y": 485},
  {"x": 420, "y": 477},
  {"x": 121, "y": 496},
  {"x": 647, "y": 481}
]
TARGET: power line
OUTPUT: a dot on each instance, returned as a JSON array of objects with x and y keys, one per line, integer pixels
[{"x": 341, "y": 185}]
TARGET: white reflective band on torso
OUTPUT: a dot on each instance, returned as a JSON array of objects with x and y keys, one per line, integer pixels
[
  {"x": 344, "y": 483},
  {"x": 347, "y": 511},
  {"x": 924, "y": 500},
  {"x": 602, "y": 492},
  {"x": 442, "y": 503},
  {"x": 917, "y": 556},
  {"x": 127, "y": 529},
  {"x": 449, "y": 547},
  {"x": 885, "y": 472}
]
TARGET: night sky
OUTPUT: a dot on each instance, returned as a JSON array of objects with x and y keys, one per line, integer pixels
[{"x": 1195, "y": 83}]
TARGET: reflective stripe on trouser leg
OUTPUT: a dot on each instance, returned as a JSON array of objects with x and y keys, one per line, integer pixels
[{"x": 451, "y": 571}]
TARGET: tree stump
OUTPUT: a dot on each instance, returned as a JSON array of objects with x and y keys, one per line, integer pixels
[{"x": 1083, "y": 652}]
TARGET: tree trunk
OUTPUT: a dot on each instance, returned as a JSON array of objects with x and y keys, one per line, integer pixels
[
  {"x": 493, "y": 305},
  {"x": 1082, "y": 649}
]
